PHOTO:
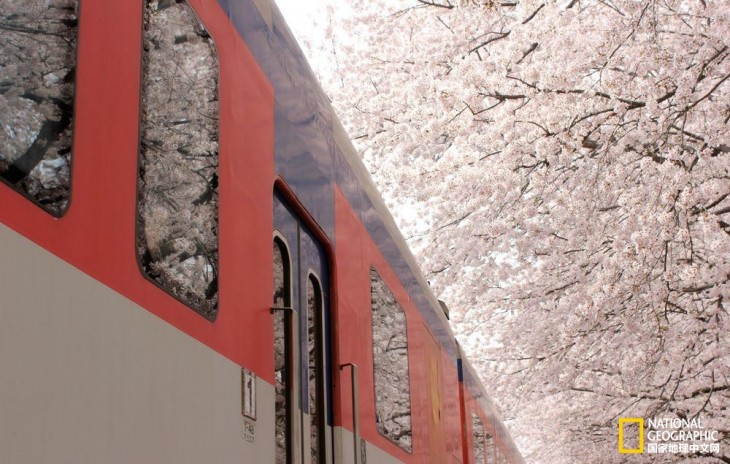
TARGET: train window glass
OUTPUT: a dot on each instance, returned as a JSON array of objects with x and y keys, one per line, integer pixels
[
  {"x": 37, "y": 78},
  {"x": 315, "y": 354},
  {"x": 478, "y": 431},
  {"x": 282, "y": 373},
  {"x": 390, "y": 365},
  {"x": 177, "y": 219},
  {"x": 490, "y": 449}
]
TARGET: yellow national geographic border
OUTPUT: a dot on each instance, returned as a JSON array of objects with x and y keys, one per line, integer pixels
[{"x": 630, "y": 420}]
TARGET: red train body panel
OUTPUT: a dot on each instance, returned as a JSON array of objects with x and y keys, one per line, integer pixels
[{"x": 258, "y": 136}]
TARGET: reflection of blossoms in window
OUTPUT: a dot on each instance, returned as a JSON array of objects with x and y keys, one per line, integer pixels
[
  {"x": 490, "y": 448},
  {"x": 37, "y": 74},
  {"x": 178, "y": 183},
  {"x": 390, "y": 359},
  {"x": 478, "y": 432},
  {"x": 281, "y": 300},
  {"x": 314, "y": 340}
]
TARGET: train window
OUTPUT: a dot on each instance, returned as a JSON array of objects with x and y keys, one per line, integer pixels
[
  {"x": 478, "y": 431},
  {"x": 282, "y": 347},
  {"x": 390, "y": 365},
  {"x": 316, "y": 360},
  {"x": 177, "y": 220},
  {"x": 490, "y": 449},
  {"x": 37, "y": 78}
]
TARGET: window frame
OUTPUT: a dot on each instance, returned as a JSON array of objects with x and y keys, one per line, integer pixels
[
  {"x": 63, "y": 211},
  {"x": 372, "y": 269},
  {"x": 212, "y": 315},
  {"x": 290, "y": 380},
  {"x": 320, "y": 340}
]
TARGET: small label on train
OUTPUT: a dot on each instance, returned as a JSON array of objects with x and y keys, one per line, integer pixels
[{"x": 249, "y": 431}]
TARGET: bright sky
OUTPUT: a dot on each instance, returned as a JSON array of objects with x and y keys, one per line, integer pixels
[
  {"x": 299, "y": 14},
  {"x": 309, "y": 20}
]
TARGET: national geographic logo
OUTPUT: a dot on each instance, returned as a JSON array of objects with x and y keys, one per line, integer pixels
[
  {"x": 666, "y": 436},
  {"x": 621, "y": 427}
]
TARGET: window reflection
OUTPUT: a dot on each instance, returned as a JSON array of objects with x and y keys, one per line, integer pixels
[
  {"x": 37, "y": 79},
  {"x": 390, "y": 359},
  {"x": 178, "y": 173}
]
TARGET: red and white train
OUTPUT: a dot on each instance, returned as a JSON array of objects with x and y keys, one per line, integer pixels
[{"x": 106, "y": 356}]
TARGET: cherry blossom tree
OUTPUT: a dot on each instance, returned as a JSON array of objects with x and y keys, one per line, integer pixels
[{"x": 562, "y": 170}]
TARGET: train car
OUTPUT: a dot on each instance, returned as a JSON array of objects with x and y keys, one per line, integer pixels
[
  {"x": 485, "y": 438},
  {"x": 196, "y": 266}
]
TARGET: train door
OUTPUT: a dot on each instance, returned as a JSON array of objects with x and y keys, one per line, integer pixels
[{"x": 302, "y": 349}]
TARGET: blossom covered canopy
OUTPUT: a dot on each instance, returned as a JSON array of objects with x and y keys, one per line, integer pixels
[{"x": 562, "y": 169}]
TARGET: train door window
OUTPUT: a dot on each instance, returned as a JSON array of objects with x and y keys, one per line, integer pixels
[
  {"x": 282, "y": 351},
  {"x": 37, "y": 80},
  {"x": 477, "y": 429},
  {"x": 390, "y": 365},
  {"x": 177, "y": 220},
  {"x": 315, "y": 353}
]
